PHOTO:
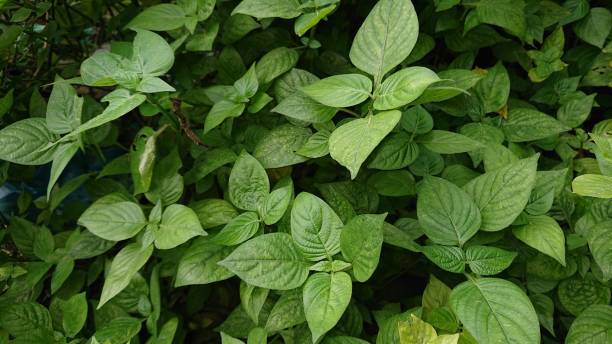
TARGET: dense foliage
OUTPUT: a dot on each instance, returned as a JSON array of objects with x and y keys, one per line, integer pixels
[{"x": 306, "y": 171}]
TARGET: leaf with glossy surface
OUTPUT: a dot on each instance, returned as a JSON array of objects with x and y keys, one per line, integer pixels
[
  {"x": 447, "y": 214},
  {"x": 269, "y": 261},
  {"x": 502, "y": 195},
  {"x": 285, "y": 9},
  {"x": 495, "y": 311},
  {"x": 544, "y": 234},
  {"x": 315, "y": 227},
  {"x": 326, "y": 297},
  {"x": 162, "y": 17},
  {"x": 178, "y": 224},
  {"x": 403, "y": 87},
  {"x": 351, "y": 144},
  {"x": 342, "y": 90},
  {"x": 385, "y": 38}
]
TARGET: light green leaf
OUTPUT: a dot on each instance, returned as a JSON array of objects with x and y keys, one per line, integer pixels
[
  {"x": 26, "y": 142},
  {"x": 179, "y": 224},
  {"x": 495, "y": 311},
  {"x": 508, "y": 14},
  {"x": 277, "y": 201},
  {"x": 74, "y": 314},
  {"x": 453, "y": 83},
  {"x": 277, "y": 61},
  {"x": 316, "y": 146},
  {"x": 342, "y": 90},
  {"x": 599, "y": 238},
  {"x": 487, "y": 260},
  {"x": 113, "y": 219},
  {"x": 326, "y": 297},
  {"x": 361, "y": 242},
  {"x": 269, "y": 261},
  {"x": 416, "y": 120},
  {"x": 287, "y": 312},
  {"x": 502, "y": 195},
  {"x": 576, "y": 110},
  {"x": 593, "y": 185},
  {"x": 221, "y": 111},
  {"x": 247, "y": 85},
  {"x": 403, "y": 87},
  {"x": 278, "y": 147},
  {"x": 153, "y": 84},
  {"x": 394, "y": 152},
  {"x": 199, "y": 264},
  {"x": 577, "y": 293},
  {"x": 351, "y": 144},
  {"x": 447, "y": 214},
  {"x": 257, "y": 335},
  {"x": 248, "y": 183},
  {"x": 214, "y": 212},
  {"x": 526, "y": 124},
  {"x": 416, "y": 331},
  {"x": 162, "y": 17},
  {"x": 100, "y": 68},
  {"x": 238, "y": 230},
  {"x": 595, "y": 27},
  {"x": 285, "y": 9},
  {"x": 300, "y": 106},
  {"x": 64, "y": 108},
  {"x": 447, "y": 142},
  {"x": 151, "y": 55},
  {"x": 449, "y": 258},
  {"x": 61, "y": 158},
  {"x": 544, "y": 234},
  {"x": 125, "y": 264},
  {"x": 385, "y": 38},
  {"x": 252, "y": 300},
  {"x": 593, "y": 326},
  {"x": 315, "y": 227}
]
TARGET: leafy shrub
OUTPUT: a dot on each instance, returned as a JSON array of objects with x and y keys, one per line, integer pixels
[{"x": 306, "y": 171}]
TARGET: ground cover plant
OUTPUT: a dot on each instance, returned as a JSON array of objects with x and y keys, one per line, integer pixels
[{"x": 306, "y": 171}]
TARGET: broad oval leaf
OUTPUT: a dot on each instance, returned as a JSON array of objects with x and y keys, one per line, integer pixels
[
  {"x": 525, "y": 124},
  {"x": 403, "y": 87},
  {"x": 447, "y": 142},
  {"x": 178, "y": 224},
  {"x": 593, "y": 326},
  {"x": 315, "y": 227},
  {"x": 502, "y": 195},
  {"x": 449, "y": 258},
  {"x": 269, "y": 261},
  {"x": 199, "y": 263},
  {"x": 113, "y": 219},
  {"x": 385, "y": 38},
  {"x": 162, "y": 17},
  {"x": 27, "y": 142},
  {"x": 342, "y": 90},
  {"x": 544, "y": 234},
  {"x": 447, "y": 214},
  {"x": 487, "y": 260},
  {"x": 326, "y": 297},
  {"x": 248, "y": 183},
  {"x": 361, "y": 242},
  {"x": 495, "y": 311},
  {"x": 351, "y": 144}
]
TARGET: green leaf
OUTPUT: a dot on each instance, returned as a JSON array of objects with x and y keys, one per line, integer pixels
[
  {"x": 417, "y": 120},
  {"x": 502, "y": 195},
  {"x": 449, "y": 258},
  {"x": 453, "y": 82},
  {"x": 302, "y": 107},
  {"x": 199, "y": 264},
  {"x": 416, "y": 331},
  {"x": 595, "y": 27},
  {"x": 494, "y": 89},
  {"x": 351, "y": 144},
  {"x": 248, "y": 183},
  {"x": 544, "y": 234},
  {"x": 238, "y": 230},
  {"x": 19, "y": 319},
  {"x": 315, "y": 227},
  {"x": 403, "y": 87},
  {"x": 61, "y": 158},
  {"x": 287, "y": 312},
  {"x": 270, "y": 261},
  {"x": 252, "y": 300},
  {"x": 487, "y": 260},
  {"x": 27, "y": 142},
  {"x": 361, "y": 243},
  {"x": 436, "y": 294},
  {"x": 118, "y": 330},
  {"x": 576, "y": 294},
  {"x": 277, "y": 202},
  {"x": 113, "y": 218},
  {"x": 277, "y": 61},
  {"x": 394, "y": 152},
  {"x": 385, "y": 38},
  {"x": 316, "y": 146},
  {"x": 74, "y": 314},
  {"x": 285, "y": 9},
  {"x": 214, "y": 212},
  {"x": 495, "y": 311},
  {"x": 576, "y": 110},
  {"x": 179, "y": 224},
  {"x": 545, "y": 308},
  {"x": 599, "y": 240},
  {"x": 594, "y": 325},
  {"x": 593, "y": 185},
  {"x": 61, "y": 273},
  {"x": 278, "y": 147},
  {"x": 326, "y": 297},
  {"x": 507, "y": 14},
  {"x": 257, "y": 335},
  {"x": 247, "y": 85},
  {"x": 447, "y": 214},
  {"x": 447, "y": 142},
  {"x": 64, "y": 108},
  {"x": 342, "y": 90},
  {"x": 525, "y": 124},
  {"x": 220, "y": 112},
  {"x": 162, "y": 17},
  {"x": 151, "y": 55},
  {"x": 124, "y": 266},
  {"x": 393, "y": 183},
  {"x": 100, "y": 68},
  {"x": 153, "y": 84}
]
